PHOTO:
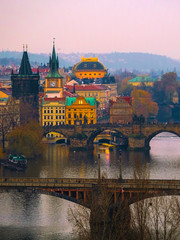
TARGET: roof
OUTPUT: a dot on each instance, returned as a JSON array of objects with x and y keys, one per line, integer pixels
[
  {"x": 7, "y": 91},
  {"x": 25, "y": 67},
  {"x": 142, "y": 79},
  {"x": 71, "y": 100},
  {"x": 89, "y": 64},
  {"x": 62, "y": 100},
  {"x": 127, "y": 99},
  {"x": 54, "y": 65},
  {"x": 86, "y": 87},
  {"x": 69, "y": 94}
]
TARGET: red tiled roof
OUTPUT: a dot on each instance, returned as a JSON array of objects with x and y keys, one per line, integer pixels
[
  {"x": 69, "y": 94},
  {"x": 127, "y": 99},
  {"x": 86, "y": 87},
  {"x": 7, "y": 91},
  {"x": 54, "y": 99}
]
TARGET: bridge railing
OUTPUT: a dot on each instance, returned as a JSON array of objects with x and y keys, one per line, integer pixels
[{"x": 89, "y": 183}]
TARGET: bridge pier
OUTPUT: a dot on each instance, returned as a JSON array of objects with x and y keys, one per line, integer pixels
[
  {"x": 137, "y": 143},
  {"x": 108, "y": 220}
]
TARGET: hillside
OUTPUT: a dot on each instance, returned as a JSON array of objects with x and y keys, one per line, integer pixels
[{"x": 113, "y": 61}]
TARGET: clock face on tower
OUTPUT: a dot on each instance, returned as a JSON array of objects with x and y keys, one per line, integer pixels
[{"x": 52, "y": 84}]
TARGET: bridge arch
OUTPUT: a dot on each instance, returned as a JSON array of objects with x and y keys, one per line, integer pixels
[
  {"x": 56, "y": 137},
  {"x": 98, "y": 131},
  {"x": 152, "y": 135}
]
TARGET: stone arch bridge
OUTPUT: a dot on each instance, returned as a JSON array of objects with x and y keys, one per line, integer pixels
[{"x": 138, "y": 136}]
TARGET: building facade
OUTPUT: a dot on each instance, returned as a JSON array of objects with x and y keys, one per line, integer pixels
[
  {"x": 53, "y": 111},
  {"x": 121, "y": 110},
  {"x": 82, "y": 109},
  {"x": 100, "y": 92}
]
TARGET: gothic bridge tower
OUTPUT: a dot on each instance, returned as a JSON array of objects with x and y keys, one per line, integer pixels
[{"x": 25, "y": 87}]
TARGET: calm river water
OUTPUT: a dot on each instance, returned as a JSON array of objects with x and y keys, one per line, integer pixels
[{"x": 41, "y": 217}]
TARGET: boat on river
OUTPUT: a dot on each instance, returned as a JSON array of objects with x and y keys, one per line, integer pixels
[{"x": 15, "y": 162}]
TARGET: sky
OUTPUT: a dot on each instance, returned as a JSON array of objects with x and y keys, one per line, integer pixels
[{"x": 98, "y": 26}]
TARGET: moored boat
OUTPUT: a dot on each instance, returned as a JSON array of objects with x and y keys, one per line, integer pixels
[{"x": 16, "y": 162}]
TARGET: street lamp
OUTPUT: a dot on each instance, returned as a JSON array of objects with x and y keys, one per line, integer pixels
[
  {"x": 99, "y": 171},
  {"x": 120, "y": 165}
]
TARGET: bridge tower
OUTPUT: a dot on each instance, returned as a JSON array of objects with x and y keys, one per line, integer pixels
[{"x": 25, "y": 87}]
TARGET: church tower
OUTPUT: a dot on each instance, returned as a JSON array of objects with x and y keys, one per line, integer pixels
[
  {"x": 54, "y": 81},
  {"x": 25, "y": 87}
]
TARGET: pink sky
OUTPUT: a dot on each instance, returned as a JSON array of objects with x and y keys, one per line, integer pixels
[{"x": 151, "y": 26}]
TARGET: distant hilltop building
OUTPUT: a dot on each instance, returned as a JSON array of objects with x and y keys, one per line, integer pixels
[
  {"x": 139, "y": 80},
  {"x": 89, "y": 68}
]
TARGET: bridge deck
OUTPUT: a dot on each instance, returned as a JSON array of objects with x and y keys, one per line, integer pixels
[{"x": 88, "y": 183}]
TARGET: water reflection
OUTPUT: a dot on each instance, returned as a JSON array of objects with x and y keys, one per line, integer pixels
[{"x": 31, "y": 216}]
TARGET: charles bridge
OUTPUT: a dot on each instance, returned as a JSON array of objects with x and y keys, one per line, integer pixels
[{"x": 138, "y": 136}]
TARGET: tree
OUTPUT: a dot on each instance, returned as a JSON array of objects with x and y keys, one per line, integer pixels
[
  {"x": 164, "y": 89},
  {"x": 9, "y": 118},
  {"x": 142, "y": 103},
  {"x": 26, "y": 139},
  {"x": 104, "y": 221}
]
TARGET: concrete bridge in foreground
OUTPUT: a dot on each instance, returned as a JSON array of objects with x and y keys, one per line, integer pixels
[
  {"x": 138, "y": 136},
  {"x": 80, "y": 190}
]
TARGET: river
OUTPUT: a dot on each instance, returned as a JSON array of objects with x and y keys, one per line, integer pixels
[{"x": 41, "y": 217}]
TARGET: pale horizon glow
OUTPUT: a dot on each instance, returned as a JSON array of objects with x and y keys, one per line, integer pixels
[{"x": 97, "y": 26}]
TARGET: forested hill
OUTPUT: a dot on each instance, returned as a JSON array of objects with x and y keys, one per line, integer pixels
[{"x": 113, "y": 61}]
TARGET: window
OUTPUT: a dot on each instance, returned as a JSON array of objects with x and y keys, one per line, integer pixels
[
  {"x": 74, "y": 115},
  {"x": 80, "y": 115},
  {"x": 51, "y": 117},
  {"x": 44, "y": 117},
  {"x": 44, "y": 111},
  {"x": 51, "y": 111},
  {"x": 48, "y": 111},
  {"x": 69, "y": 115},
  {"x": 63, "y": 111},
  {"x": 59, "y": 111},
  {"x": 69, "y": 122},
  {"x": 91, "y": 121},
  {"x": 56, "y": 111},
  {"x": 59, "y": 117},
  {"x": 94, "y": 73},
  {"x": 56, "y": 117}
]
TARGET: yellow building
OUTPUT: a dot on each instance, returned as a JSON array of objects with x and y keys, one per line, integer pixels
[
  {"x": 89, "y": 68},
  {"x": 100, "y": 92},
  {"x": 52, "y": 111},
  {"x": 80, "y": 108}
]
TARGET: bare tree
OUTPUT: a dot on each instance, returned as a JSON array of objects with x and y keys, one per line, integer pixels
[
  {"x": 154, "y": 218},
  {"x": 149, "y": 218}
]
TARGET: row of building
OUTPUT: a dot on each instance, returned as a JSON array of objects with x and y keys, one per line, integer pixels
[{"x": 64, "y": 102}]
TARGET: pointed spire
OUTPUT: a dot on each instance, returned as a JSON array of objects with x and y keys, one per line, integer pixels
[
  {"x": 54, "y": 63},
  {"x": 25, "y": 67}
]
